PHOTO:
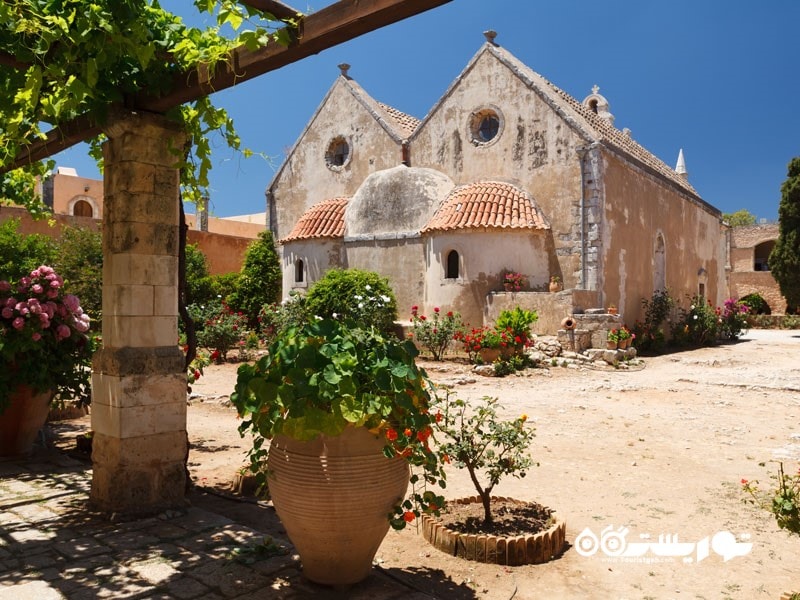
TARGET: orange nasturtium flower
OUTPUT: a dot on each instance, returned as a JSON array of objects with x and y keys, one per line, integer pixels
[
  {"x": 409, "y": 516},
  {"x": 391, "y": 434}
]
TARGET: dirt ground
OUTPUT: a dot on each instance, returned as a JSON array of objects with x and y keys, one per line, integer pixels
[{"x": 636, "y": 457}]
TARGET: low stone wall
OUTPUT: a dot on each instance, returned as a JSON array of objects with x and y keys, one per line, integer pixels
[{"x": 551, "y": 307}]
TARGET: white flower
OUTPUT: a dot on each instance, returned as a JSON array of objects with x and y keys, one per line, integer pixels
[
  {"x": 360, "y": 305},
  {"x": 318, "y": 318},
  {"x": 691, "y": 307},
  {"x": 367, "y": 287},
  {"x": 695, "y": 317},
  {"x": 335, "y": 315},
  {"x": 385, "y": 298},
  {"x": 357, "y": 297}
]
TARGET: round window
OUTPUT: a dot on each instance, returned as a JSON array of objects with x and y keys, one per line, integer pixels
[
  {"x": 485, "y": 126},
  {"x": 338, "y": 153}
]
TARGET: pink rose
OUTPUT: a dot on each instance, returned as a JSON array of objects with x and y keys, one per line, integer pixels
[
  {"x": 72, "y": 303},
  {"x": 4, "y": 286},
  {"x": 18, "y": 323},
  {"x": 52, "y": 293},
  {"x": 62, "y": 332},
  {"x": 44, "y": 320},
  {"x": 37, "y": 288},
  {"x": 7, "y": 313},
  {"x": 55, "y": 283},
  {"x": 36, "y": 336}
]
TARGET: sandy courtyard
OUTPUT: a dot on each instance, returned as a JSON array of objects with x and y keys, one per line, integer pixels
[{"x": 658, "y": 451}]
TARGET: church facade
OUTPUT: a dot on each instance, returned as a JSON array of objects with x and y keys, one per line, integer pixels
[{"x": 507, "y": 172}]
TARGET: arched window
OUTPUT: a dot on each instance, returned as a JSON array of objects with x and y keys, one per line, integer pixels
[
  {"x": 82, "y": 209},
  {"x": 299, "y": 271},
  {"x": 761, "y": 255},
  {"x": 452, "y": 268},
  {"x": 660, "y": 265}
]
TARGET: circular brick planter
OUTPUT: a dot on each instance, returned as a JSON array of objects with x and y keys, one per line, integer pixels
[{"x": 502, "y": 550}]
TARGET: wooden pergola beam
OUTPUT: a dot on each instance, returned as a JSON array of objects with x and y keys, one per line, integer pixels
[
  {"x": 279, "y": 10},
  {"x": 333, "y": 25}
]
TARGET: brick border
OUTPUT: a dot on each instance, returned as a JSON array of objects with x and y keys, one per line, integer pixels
[{"x": 502, "y": 550}]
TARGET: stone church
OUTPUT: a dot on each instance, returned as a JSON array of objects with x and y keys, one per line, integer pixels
[{"x": 506, "y": 172}]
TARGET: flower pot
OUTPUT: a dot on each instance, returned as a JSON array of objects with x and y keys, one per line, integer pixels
[
  {"x": 612, "y": 310},
  {"x": 489, "y": 355},
  {"x": 333, "y": 495},
  {"x": 611, "y": 345},
  {"x": 509, "y": 287},
  {"x": 22, "y": 420},
  {"x": 555, "y": 286}
]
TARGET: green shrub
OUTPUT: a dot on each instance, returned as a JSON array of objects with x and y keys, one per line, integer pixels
[
  {"x": 20, "y": 254},
  {"x": 756, "y": 304},
  {"x": 698, "y": 325},
  {"x": 275, "y": 318},
  {"x": 79, "y": 260},
  {"x": 649, "y": 334},
  {"x": 518, "y": 323},
  {"x": 219, "y": 329},
  {"x": 351, "y": 294}
]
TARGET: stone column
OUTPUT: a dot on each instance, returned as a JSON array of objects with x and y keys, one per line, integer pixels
[{"x": 139, "y": 381}]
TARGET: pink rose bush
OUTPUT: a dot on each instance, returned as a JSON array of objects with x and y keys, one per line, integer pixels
[{"x": 43, "y": 337}]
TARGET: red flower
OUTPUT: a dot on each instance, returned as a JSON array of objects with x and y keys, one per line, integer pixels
[
  {"x": 409, "y": 516},
  {"x": 196, "y": 374},
  {"x": 517, "y": 339},
  {"x": 424, "y": 434},
  {"x": 438, "y": 417},
  {"x": 436, "y": 309},
  {"x": 407, "y": 432},
  {"x": 744, "y": 481},
  {"x": 391, "y": 434}
]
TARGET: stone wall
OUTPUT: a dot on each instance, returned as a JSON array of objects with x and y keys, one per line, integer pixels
[{"x": 551, "y": 308}]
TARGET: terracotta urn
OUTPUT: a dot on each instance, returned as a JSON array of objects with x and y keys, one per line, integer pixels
[
  {"x": 23, "y": 418},
  {"x": 555, "y": 286},
  {"x": 333, "y": 496}
]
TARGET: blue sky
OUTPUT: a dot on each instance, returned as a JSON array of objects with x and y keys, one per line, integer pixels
[{"x": 716, "y": 79}]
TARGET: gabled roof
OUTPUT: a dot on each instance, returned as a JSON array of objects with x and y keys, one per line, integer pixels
[
  {"x": 397, "y": 124},
  {"x": 487, "y": 205},
  {"x": 592, "y": 127},
  {"x": 323, "y": 220}
]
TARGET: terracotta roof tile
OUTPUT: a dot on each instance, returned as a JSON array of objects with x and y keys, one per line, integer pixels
[
  {"x": 487, "y": 204},
  {"x": 406, "y": 124},
  {"x": 323, "y": 220}
]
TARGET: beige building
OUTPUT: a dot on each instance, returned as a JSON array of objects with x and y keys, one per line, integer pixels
[
  {"x": 749, "y": 249},
  {"x": 506, "y": 171}
]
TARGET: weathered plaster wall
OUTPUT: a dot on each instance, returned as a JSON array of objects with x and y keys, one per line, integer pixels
[
  {"x": 534, "y": 149},
  {"x": 305, "y": 179},
  {"x": 318, "y": 255},
  {"x": 551, "y": 308},
  {"x": 224, "y": 253},
  {"x": 636, "y": 208},
  {"x": 483, "y": 255},
  {"x": 400, "y": 261}
]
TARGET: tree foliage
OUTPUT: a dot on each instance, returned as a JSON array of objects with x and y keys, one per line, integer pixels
[
  {"x": 259, "y": 281},
  {"x": 784, "y": 260},
  {"x": 79, "y": 261},
  {"x": 740, "y": 218},
  {"x": 20, "y": 254},
  {"x": 81, "y": 58}
]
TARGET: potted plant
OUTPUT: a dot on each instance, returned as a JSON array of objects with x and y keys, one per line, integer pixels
[
  {"x": 347, "y": 411},
  {"x": 513, "y": 282},
  {"x": 612, "y": 309},
  {"x": 612, "y": 339},
  {"x": 555, "y": 283},
  {"x": 44, "y": 351},
  {"x": 624, "y": 337},
  {"x": 501, "y": 530}
]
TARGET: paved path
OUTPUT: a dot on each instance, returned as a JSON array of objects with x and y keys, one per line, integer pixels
[{"x": 53, "y": 547}]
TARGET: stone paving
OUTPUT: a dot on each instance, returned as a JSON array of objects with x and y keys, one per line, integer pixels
[{"x": 53, "y": 547}]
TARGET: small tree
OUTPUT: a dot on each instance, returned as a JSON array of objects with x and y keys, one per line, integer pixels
[
  {"x": 477, "y": 441},
  {"x": 740, "y": 218},
  {"x": 199, "y": 288},
  {"x": 19, "y": 253},
  {"x": 784, "y": 260},
  {"x": 259, "y": 281}
]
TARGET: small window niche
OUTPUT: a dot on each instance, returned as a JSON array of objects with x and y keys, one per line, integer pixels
[
  {"x": 337, "y": 156},
  {"x": 299, "y": 273},
  {"x": 452, "y": 267}
]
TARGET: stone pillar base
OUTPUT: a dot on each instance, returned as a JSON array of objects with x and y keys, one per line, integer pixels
[{"x": 141, "y": 475}]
